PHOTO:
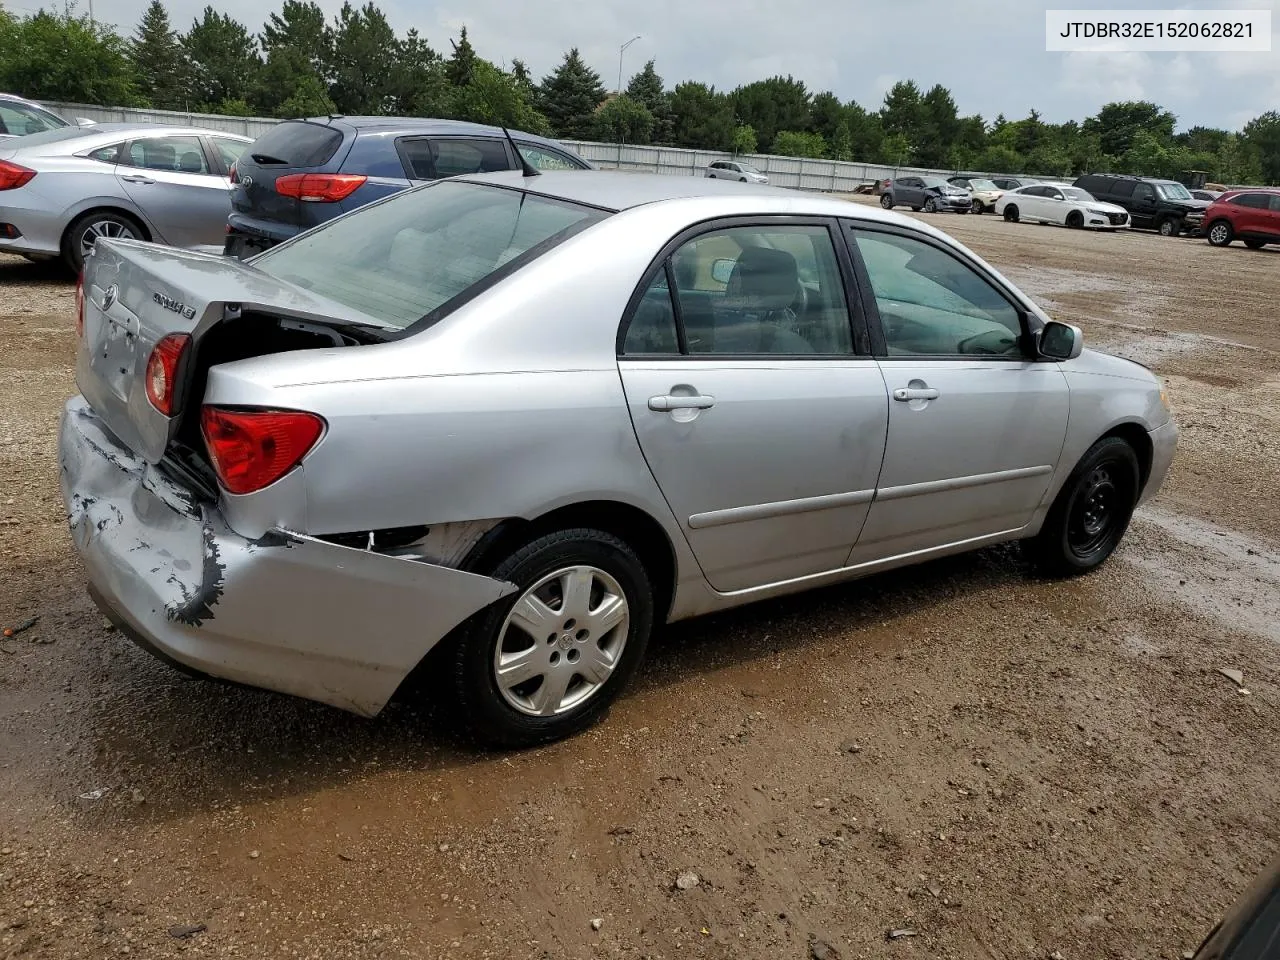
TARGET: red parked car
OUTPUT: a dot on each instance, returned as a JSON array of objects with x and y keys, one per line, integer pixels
[{"x": 1249, "y": 215}]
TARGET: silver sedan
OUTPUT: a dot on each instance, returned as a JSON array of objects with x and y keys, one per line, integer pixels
[
  {"x": 518, "y": 423},
  {"x": 63, "y": 189}
]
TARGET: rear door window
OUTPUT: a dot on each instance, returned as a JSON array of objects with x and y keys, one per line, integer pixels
[
  {"x": 544, "y": 158},
  {"x": 1275, "y": 203},
  {"x": 1123, "y": 188},
  {"x": 296, "y": 143},
  {"x": 109, "y": 154},
  {"x": 432, "y": 158},
  {"x": 228, "y": 150},
  {"x": 175, "y": 154}
]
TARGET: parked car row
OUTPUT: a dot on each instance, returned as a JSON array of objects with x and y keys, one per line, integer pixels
[{"x": 65, "y": 186}]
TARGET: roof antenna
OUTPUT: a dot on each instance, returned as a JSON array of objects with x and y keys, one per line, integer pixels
[{"x": 526, "y": 169}]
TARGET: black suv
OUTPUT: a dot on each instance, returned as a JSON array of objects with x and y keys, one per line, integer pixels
[{"x": 1163, "y": 205}]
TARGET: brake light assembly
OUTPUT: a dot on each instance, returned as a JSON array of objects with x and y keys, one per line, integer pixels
[
  {"x": 162, "y": 371},
  {"x": 252, "y": 449},
  {"x": 14, "y": 175},
  {"x": 319, "y": 187}
]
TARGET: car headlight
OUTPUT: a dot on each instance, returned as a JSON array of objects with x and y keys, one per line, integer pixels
[
  {"x": 1096, "y": 211},
  {"x": 1164, "y": 397}
]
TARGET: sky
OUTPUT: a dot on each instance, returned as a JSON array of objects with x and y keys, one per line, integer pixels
[{"x": 989, "y": 53}]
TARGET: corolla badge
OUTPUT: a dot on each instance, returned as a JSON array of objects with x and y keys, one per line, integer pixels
[
  {"x": 176, "y": 306},
  {"x": 109, "y": 297}
]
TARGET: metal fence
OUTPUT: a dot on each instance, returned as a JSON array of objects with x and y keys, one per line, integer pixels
[{"x": 829, "y": 176}]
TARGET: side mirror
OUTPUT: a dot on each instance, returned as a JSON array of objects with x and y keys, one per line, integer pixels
[
  {"x": 722, "y": 270},
  {"x": 85, "y": 122},
  {"x": 1060, "y": 341}
]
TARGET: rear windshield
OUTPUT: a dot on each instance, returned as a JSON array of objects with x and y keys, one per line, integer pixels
[
  {"x": 402, "y": 259},
  {"x": 296, "y": 143}
]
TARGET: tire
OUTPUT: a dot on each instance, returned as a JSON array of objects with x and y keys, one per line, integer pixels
[
  {"x": 1220, "y": 234},
  {"x": 742, "y": 179},
  {"x": 1169, "y": 227},
  {"x": 1075, "y": 220},
  {"x": 930, "y": 205},
  {"x": 886, "y": 201},
  {"x": 915, "y": 209},
  {"x": 1091, "y": 513},
  {"x": 512, "y": 715},
  {"x": 1255, "y": 244},
  {"x": 108, "y": 223},
  {"x": 976, "y": 207},
  {"x": 1011, "y": 213}
]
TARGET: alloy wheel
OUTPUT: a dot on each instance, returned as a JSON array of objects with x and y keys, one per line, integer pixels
[
  {"x": 561, "y": 641},
  {"x": 111, "y": 229}
]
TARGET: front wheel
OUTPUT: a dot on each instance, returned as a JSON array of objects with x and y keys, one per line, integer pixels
[
  {"x": 976, "y": 206},
  {"x": 886, "y": 201},
  {"x": 1075, "y": 220},
  {"x": 1255, "y": 244},
  {"x": 1011, "y": 213},
  {"x": 1220, "y": 234},
  {"x": 1091, "y": 513},
  {"x": 1170, "y": 227},
  {"x": 931, "y": 205},
  {"x": 547, "y": 661}
]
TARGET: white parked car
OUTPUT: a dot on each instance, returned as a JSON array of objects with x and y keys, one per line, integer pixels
[
  {"x": 735, "y": 170},
  {"x": 1062, "y": 204}
]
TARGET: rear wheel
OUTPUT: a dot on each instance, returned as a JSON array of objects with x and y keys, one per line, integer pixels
[
  {"x": 1169, "y": 227},
  {"x": 931, "y": 205},
  {"x": 1255, "y": 244},
  {"x": 1011, "y": 213},
  {"x": 85, "y": 231},
  {"x": 547, "y": 661},
  {"x": 1092, "y": 512},
  {"x": 1075, "y": 220},
  {"x": 886, "y": 201},
  {"x": 1220, "y": 233}
]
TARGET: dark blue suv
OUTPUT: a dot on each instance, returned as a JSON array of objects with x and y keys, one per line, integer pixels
[{"x": 301, "y": 173}]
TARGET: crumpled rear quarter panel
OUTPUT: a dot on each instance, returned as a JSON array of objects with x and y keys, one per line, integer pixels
[{"x": 284, "y": 611}]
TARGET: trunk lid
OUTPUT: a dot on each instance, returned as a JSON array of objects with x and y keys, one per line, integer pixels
[
  {"x": 295, "y": 146},
  {"x": 136, "y": 293}
]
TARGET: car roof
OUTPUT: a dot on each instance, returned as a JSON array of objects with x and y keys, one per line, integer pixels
[
  {"x": 71, "y": 139},
  {"x": 614, "y": 190},
  {"x": 18, "y": 99},
  {"x": 457, "y": 128}
]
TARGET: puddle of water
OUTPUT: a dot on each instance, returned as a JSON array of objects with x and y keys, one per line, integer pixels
[{"x": 1232, "y": 578}]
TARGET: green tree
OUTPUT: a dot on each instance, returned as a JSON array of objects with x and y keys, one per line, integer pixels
[
  {"x": 1237, "y": 162},
  {"x": 999, "y": 159},
  {"x": 842, "y": 143},
  {"x": 623, "y": 120},
  {"x": 568, "y": 97},
  {"x": 300, "y": 27},
  {"x": 826, "y": 113},
  {"x": 1262, "y": 135},
  {"x": 895, "y": 148},
  {"x": 799, "y": 143},
  {"x": 647, "y": 89},
  {"x": 1117, "y": 123},
  {"x": 419, "y": 86},
  {"x": 287, "y": 87},
  {"x": 363, "y": 48},
  {"x": 494, "y": 97},
  {"x": 224, "y": 60},
  {"x": 865, "y": 131},
  {"x": 158, "y": 60},
  {"x": 703, "y": 118},
  {"x": 778, "y": 103},
  {"x": 64, "y": 56},
  {"x": 939, "y": 127},
  {"x": 1147, "y": 156},
  {"x": 458, "y": 68},
  {"x": 744, "y": 139},
  {"x": 903, "y": 113}
]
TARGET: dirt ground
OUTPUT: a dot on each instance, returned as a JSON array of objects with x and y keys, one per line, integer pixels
[{"x": 1007, "y": 767}]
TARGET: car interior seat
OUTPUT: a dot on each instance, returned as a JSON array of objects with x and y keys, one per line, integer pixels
[
  {"x": 192, "y": 162},
  {"x": 756, "y": 315}
]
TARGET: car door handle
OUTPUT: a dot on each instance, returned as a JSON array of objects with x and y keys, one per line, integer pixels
[
  {"x": 665, "y": 404},
  {"x": 915, "y": 393},
  {"x": 134, "y": 178}
]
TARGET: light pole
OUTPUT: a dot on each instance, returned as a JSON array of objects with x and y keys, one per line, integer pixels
[{"x": 621, "y": 50}]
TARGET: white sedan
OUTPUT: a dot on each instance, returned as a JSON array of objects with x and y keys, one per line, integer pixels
[{"x": 1062, "y": 204}]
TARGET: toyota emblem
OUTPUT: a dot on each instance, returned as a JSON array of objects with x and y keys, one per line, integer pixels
[{"x": 109, "y": 297}]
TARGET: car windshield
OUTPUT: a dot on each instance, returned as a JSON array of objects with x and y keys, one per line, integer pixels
[
  {"x": 1075, "y": 193},
  {"x": 409, "y": 256},
  {"x": 1174, "y": 191},
  {"x": 983, "y": 185},
  {"x": 935, "y": 182},
  {"x": 746, "y": 167}
]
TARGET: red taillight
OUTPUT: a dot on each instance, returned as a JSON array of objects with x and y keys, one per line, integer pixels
[
  {"x": 319, "y": 187},
  {"x": 80, "y": 304},
  {"x": 162, "y": 371},
  {"x": 252, "y": 449},
  {"x": 14, "y": 175},
  {"x": 234, "y": 174}
]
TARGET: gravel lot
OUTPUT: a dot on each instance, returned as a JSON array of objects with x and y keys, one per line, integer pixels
[{"x": 1007, "y": 767}]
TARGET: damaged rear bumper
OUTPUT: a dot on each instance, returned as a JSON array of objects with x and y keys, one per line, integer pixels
[{"x": 286, "y": 612}]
